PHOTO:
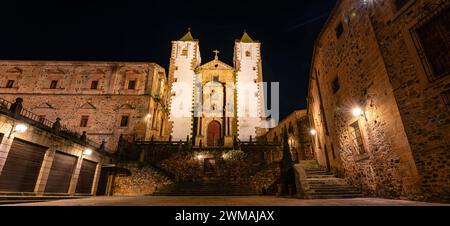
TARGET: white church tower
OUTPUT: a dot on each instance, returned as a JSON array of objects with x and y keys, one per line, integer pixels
[
  {"x": 250, "y": 99},
  {"x": 184, "y": 60}
]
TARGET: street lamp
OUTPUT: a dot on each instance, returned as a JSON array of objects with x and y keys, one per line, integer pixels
[
  {"x": 87, "y": 152},
  {"x": 19, "y": 128},
  {"x": 313, "y": 132},
  {"x": 357, "y": 111}
]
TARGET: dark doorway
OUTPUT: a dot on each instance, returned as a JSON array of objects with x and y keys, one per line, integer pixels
[
  {"x": 61, "y": 173},
  {"x": 327, "y": 158},
  {"x": 103, "y": 181},
  {"x": 22, "y": 167},
  {"x": 213, "y": 134},
  {"x": 209, "y": 167}
]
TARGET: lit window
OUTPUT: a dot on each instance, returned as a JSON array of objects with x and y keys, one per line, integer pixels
[
  {"x": 10, "y": 84},
  {"x": 357, "y": 138},
  {"x": 124, "y": 121},
  {"x": 132, "y": 84},
  {"x": 53, "y": 84},
  {"x": 94, "y": 85},
  {"x": 84, "y": 121}
]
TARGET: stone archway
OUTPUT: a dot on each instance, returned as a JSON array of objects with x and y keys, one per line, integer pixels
[{"x": 214, "y": 134}]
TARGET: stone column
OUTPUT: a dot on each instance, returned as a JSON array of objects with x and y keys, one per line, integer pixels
[
  {"x": 96, "y": 178},
  {"x": 5, "y": 146},
  {"x": 45, "y": 171},
  {"x": 76, "y": 174}
]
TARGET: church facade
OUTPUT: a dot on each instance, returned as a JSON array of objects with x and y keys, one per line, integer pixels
[{"x": 216, "y": 104}]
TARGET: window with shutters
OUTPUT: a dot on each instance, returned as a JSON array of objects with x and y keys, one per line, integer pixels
[{"x": 432, "y": 42}]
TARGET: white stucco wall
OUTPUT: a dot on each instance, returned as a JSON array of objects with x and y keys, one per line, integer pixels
[
  {"x": 249, "y": 95},
  {"x": 183, "y": 87}
]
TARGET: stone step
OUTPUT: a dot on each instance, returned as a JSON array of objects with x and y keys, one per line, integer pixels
[
  {"x": 342, "y": 196},
  {"x": 335, "y": 192}
]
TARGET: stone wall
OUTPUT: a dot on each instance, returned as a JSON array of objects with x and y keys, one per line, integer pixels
[
  {"x": 143, "y": 181},
  {"x": 420, "y": 97},
  {"x": 105, "y": 104},
  {"x": 374, "y": 65}
]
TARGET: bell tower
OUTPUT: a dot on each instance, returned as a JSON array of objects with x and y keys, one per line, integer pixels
[
  {"x": 185, "y": 58},
  {"x": 247, "y": 62}
]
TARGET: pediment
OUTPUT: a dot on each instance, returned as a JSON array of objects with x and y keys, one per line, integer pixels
[
  {"x": 126, "y": 107},
  {"x": 45, "y": 105},
  {"x": 94, "y": 71},
  {"x": 215, "y": 65},
  {"x": 57, "y": 71},
  {"x": 14, "y": 70},
  {"x": 87, "y": 106}
]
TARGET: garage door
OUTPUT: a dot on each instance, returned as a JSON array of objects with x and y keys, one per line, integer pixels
[
  {"x": 60, "y": 173},
  {"x": 86, "y": 178},
  {"x": 22, "y": 167}
]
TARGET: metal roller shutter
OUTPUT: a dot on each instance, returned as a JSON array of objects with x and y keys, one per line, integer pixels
[
  {"x": 86, "y": 178},
  {"x": 22, "y": 167},
  {"x": 60, "y": 173}
]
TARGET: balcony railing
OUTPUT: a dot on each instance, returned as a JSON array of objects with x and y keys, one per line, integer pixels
[{"x": 43, "y": 123}]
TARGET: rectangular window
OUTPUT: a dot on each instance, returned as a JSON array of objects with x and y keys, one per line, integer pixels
[
  {"x": 335, "y": 85},
  {"x": 53, "y": 84},
  {"x": 339, "y": 30},
  {"x": 357, "y": 138},
  {"x": 216, "y": 78},
  {"x": 446, "y": 97},
  {"x": 84, "y": 121},
  {"x": 94, "y": 85},
  {"x": 400, "y": 3},
  {"x": 433, "y": 36},
  {"x": 132, "y": 84},
  {"x": 10, "y": 84},
  {"x": 124, "y": 121},
  {"x": 248, "y": 54}
]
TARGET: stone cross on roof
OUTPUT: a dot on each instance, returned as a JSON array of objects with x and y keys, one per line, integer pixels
[{"x": 217, "y": 54}]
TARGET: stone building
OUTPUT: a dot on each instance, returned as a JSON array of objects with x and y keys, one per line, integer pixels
[
  {"x": 215, "y": 103},
  {"x": 105, "y": 99},
  {"x": 37, "y": 159},
  {"x": 297, "y": 125},
  {"x": 379, "y": 96}
]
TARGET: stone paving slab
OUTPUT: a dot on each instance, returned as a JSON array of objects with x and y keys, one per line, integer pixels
[{"x": 225, "y": 201}]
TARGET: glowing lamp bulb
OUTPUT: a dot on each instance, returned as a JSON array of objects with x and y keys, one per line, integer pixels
[
  {"x": 357, "y": 112},
  {"x": 20, "y": 128},
  {"x": 313, "y": 132},
  {"x": 87, "y": 152}
]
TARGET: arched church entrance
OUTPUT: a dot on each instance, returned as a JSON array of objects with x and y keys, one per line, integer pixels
[{"x": 213, "y": 134}]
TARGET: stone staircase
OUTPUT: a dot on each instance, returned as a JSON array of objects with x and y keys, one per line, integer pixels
[
  {"x": 321, "y": 184},
  {"x": 204, "y": 189}
]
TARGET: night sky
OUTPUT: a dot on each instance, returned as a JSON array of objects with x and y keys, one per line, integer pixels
[{"x": 143, "y": 32}]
